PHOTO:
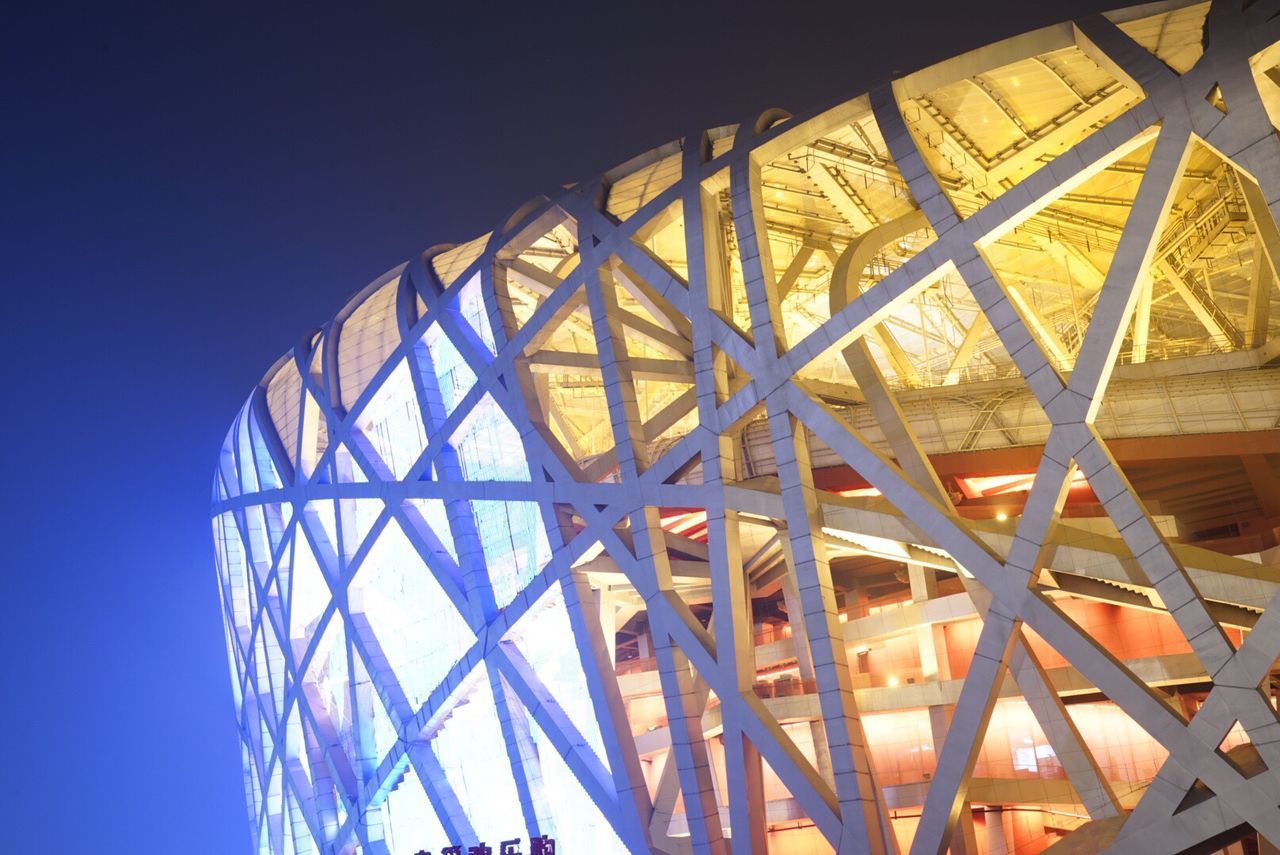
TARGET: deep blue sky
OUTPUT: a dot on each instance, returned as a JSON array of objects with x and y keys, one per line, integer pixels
[{"x": 184, "y": 191}]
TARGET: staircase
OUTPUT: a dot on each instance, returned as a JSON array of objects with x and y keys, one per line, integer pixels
[{"x": 1186, "y": 239}]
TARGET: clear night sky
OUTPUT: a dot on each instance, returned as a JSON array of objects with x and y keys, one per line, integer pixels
[{"x": 184, "y": 192}]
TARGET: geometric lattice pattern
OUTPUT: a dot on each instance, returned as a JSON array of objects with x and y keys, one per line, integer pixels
[{"x": 608, "y": 525}]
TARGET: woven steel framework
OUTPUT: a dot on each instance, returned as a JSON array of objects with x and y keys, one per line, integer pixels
[{"x": 434, "y": 515}]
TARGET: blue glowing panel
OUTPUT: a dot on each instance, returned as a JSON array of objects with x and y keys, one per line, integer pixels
[
  {"x": 514, "y": 543},
  {"x": 473, "y": 753},
  {"x": 578, "y": 823},
  {"x": 410, "y": 819},
  {"x": 471, "y": 305},
  {"x": 351, "y": 633},
  {"x": 488, "y": 445},
  {"x": 392, "y": 423},
  {"x": 454, "y": 378},
  {"x": 548, "y": 643},
  {"x": 415, "y": 625}
]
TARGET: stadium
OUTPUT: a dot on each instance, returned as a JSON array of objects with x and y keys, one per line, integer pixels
[{"x": 900, "y": 477}]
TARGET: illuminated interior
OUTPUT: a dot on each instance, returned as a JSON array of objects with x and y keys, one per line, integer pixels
[{"x": 902, "y": 477}]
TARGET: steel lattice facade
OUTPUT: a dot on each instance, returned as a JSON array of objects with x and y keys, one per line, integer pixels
[{"x": 814, "y": 483}]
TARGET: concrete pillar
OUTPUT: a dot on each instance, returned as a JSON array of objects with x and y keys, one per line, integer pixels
[
  {"x": 924, "y": 582},
  {"x": 608, "y": 621},
  {"x": 997, "y": 839}
]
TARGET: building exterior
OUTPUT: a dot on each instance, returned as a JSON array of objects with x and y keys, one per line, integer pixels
[{"x": 897, "y": 477}]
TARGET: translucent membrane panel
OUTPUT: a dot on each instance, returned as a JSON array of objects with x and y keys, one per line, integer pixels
[
  {"x": 234, "y": 664},
  {"x": 297, "y": 831},
  {"x": 346, "y": 469},
  {"x": 315, "y": 436},
  {"x": 296, "y": 748},
  {"x": 471, "y": 306},
  {"x": 488, "y": 446},
  {"x": 415, "y": 623},
  {"x": 273, "y": 808},
  {"x": 228, "y": 476},
  {"x": 327, "y": 686},
  {"x": 514, "y": 543},
  {"x": 268, "y": 476},
  {"x": 232, "y": 569},
  {"x": 432, "y": 512},
  {"x": 322, "y": 520},
  {"x": 1175, "y": 37},
  {"x": 392, "y": 422},
  {"x": 378, "y": 732},
  {"x": 471, "y": 749},
  {"x": 309, "y": 595},
  {"x": 278, "y": 515},
  {"x": 633, "y": 190},
  {"x": 316, "y": 366},
  {"x": 366, "y": 340},
  {"x": 982, "y": 134},
  {"x": 255, "y": 541},
  {"x": 453, "y": 263},
  {"x": 409, "y": 819},
  {"x": 454, "y": 378},
  {"x": 245, "y": 452},
  {"x": 270, "y": 662},
  {"x": 284, "y": 399},
  {"x": 579, "y": 824},
  {"x": 546, "y": 639},
  {"x": 253, "y": 784},
  {"x": 722, "y": 139},
  {"x": 358, "y": 518},
  {"x": 264, "y": 838}
]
